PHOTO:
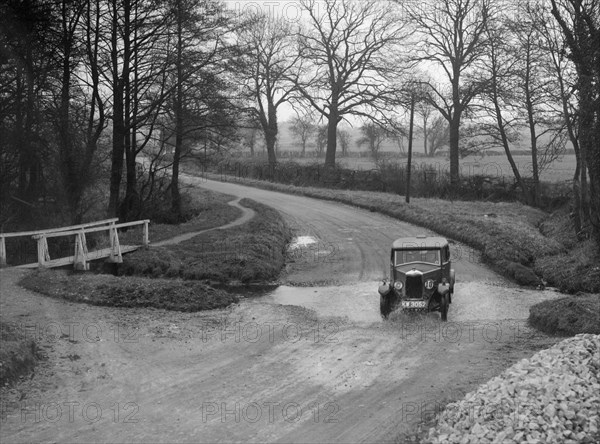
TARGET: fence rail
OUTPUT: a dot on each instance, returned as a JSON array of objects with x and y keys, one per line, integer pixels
[{"x": 81, "y": 256}]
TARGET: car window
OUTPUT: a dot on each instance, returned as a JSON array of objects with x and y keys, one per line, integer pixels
[
  {"x": 431, "y": 257},
  {"x": 408, "y": 256}
]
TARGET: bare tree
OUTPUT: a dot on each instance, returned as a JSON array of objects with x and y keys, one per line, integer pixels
[
  {"x": 580, "y": 25},
  {"x": 438, "y": 135},
  {"x": 135, "y": 74},
  {"x": 500, "y": 96},
  {"x": 267, "y": 66},
  {"x": 250, "y": 134},
  {"x": 398, "y": 133},
  {"x": 451, "y": 34},
  {"x": 321, "y": 139},
  {"x": 344, "y": 137},
  {"x": 373, "y": 136},
  {"x": 347, "y": 49},
  {"x": 535, "y": 78},
  {"x": 424, "y": 108},
  {"x": 561, "y": 68},
  {"x": 303, "y": 126},
  {"x": 197, "y": 28}
]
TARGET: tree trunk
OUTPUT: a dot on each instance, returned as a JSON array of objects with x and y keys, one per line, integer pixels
[
  {"x": 271, "y": 156},
  {"x": 425, "y": 136},
  {"x": 269, "y": 124},
  {"x": 33, "y": 158},
  {"x": 119, "y": 133},
  {"x": 455, "y": 128},
  {"x": 130, "y": 207},
  {"x": 331, "y": 140},
  {"x": 175, "y": 195},
  {"x": 454, "y": 141},
  {"x": 535, "y": 193},
  {"x": 118, "y": 151},
  {"x": 504, "y": 138},
  {"x": 69, "y": 170}
]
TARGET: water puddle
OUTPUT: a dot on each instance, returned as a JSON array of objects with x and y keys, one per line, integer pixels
[
  {"x": 358, "y": 302},
  {"x": 302, "y": 242},
  {"x": 472, "y": 301}
]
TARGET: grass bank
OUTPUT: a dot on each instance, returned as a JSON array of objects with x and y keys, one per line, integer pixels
[
  {"x": 18, "y": 353},
  {"x": 250, "y": 253},
  {"x": 113, "y": 291},
  {"x": 567, "y": 316}
]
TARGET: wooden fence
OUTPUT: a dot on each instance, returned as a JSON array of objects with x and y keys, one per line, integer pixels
[{"x": 81, "y": 256}]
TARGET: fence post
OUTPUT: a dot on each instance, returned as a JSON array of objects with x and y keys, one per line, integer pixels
[
  {"x": 111, "y": 235},
  {"x": 146, "y": 241},
  {"x": 2, "y": 252},
  {"x": 43, "y": 253},
  {"x": 115, "y": 245},
  {"x": 80, "y": 258}
]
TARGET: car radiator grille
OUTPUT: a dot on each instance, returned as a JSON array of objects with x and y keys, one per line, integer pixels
[{"x": 414, "y": 287}]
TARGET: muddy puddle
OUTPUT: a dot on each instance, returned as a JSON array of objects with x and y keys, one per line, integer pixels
[
  {"x": 472, "y": 301},
  {"x": 358, "y": 302}
]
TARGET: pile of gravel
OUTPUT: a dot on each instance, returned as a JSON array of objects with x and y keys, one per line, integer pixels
[{"x": 552, "y": 397}]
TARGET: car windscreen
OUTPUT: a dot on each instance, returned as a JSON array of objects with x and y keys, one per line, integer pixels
[{"x": 408, "y": 256}]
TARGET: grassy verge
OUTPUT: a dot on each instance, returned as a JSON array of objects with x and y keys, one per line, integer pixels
[
  {"x": 252, "y": 252},
  {"x": 115, "y": 291},
  {"x": 567, "y": 316},
  {"x": 210, "y": 210},
  {"x": 18, "y": 353}
]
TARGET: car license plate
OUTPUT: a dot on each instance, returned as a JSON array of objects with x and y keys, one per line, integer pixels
[{"x": 414, "y": 304}]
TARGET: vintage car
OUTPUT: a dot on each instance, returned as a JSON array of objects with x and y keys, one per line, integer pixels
[{"x": 421, "y": 276}]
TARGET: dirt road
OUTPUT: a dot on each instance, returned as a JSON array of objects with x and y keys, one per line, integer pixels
[{"x": 310, "y": 362}]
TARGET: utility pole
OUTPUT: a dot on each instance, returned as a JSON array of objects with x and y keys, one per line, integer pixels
[{"x": 410, "y": 141}]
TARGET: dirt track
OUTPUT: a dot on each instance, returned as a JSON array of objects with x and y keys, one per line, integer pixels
[{"x": 322, "y": 367}]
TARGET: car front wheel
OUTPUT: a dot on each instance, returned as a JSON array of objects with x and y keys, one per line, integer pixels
[
  {"x": 384, "y": 306},
  {"x": 445, "y": 302}
]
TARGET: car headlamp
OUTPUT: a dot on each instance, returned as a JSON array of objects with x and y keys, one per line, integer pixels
[{"x": 398, "y": 285}]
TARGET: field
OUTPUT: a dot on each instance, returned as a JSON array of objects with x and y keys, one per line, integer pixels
[{"x": 561, "y": 170}]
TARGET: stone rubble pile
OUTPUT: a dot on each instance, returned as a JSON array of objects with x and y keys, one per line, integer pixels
[{"x": 553, "y": 397}]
